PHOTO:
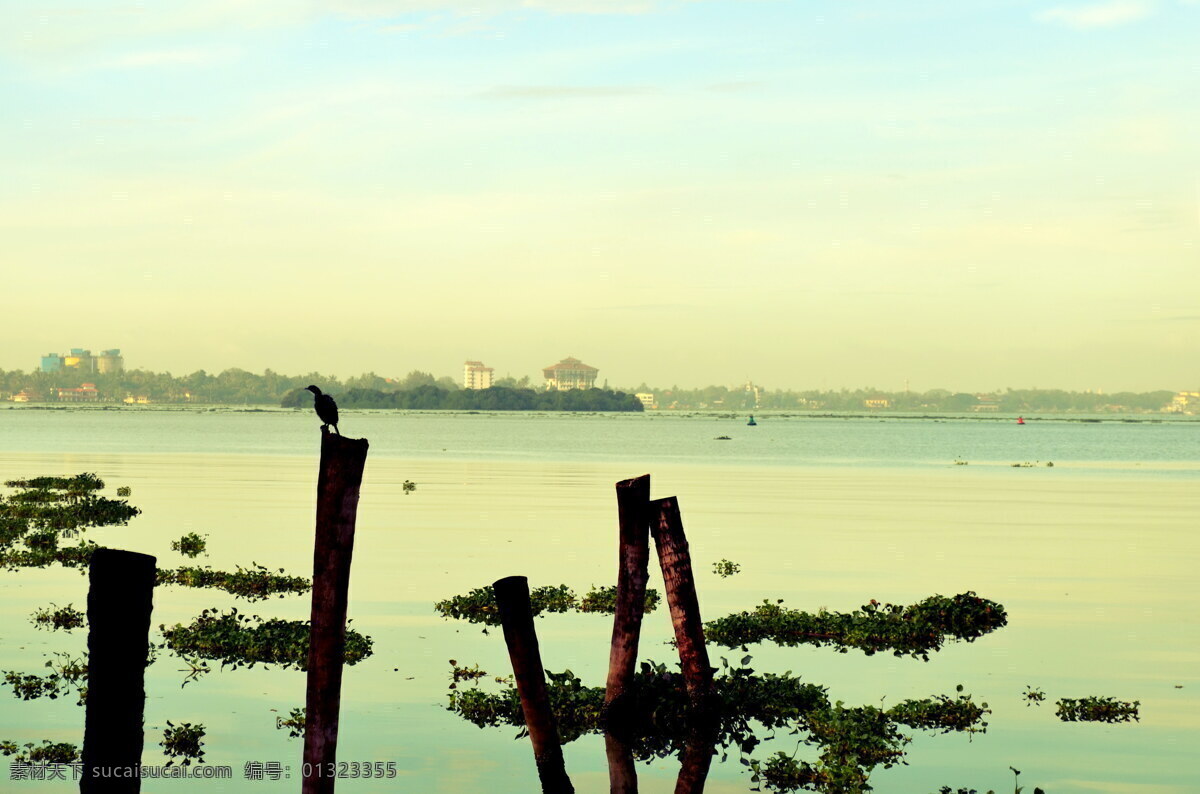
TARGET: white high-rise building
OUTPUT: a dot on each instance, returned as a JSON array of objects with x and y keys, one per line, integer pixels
[{"x": 476, "y": 375}]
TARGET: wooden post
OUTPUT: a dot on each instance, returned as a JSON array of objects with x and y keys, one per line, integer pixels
[
  {"x": 633, "y": 516},
  {"x": 120, "y": 599},
  {"x": 622, "y": 774},
  {"x": 680, "y": 585},
  {"x": 342, "y": 463},
  {"x": 516, "y": 616},
  {"x": 695, "y": 762}
]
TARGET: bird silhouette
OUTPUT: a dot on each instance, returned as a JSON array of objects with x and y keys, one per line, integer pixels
[{"x": 326, "y": 409}]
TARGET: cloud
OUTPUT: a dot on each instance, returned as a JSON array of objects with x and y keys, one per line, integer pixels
[{"x": 1097, "y": 15}]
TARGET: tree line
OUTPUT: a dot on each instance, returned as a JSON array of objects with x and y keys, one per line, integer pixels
[
  {"x": 497, "y": 398},
  {"x": 1014, "y": 401},
  {"x": 422, "y": 389}
]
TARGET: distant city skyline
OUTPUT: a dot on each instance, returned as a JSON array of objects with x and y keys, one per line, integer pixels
[{"x": 810, "y": 195}]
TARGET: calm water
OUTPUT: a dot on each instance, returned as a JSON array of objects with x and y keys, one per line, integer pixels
[{"x": 1095, "y": 560}]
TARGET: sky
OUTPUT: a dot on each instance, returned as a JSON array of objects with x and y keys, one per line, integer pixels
[{"x": 808, "y": 195}]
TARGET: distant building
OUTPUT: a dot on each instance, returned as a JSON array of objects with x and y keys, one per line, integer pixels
[
  {"x": 877, "y": 402},
  {"x": 110, "y": 362},
  {"x": 570, "y": 373},
  {"x": 1186, "y": 402},
  {"x": 752, "y": 392},
  {"x": 86, "y": 393},
  {"x": 646, "y": 399},
  {"x": 81, "y": 360},
  {"x": 476, "y": 375}
]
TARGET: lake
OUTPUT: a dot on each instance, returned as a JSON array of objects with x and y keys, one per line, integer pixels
[{"x": 1094, "y": 557}]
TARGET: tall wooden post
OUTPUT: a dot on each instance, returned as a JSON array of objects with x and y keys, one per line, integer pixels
[
  {"x": 622, "y": 773},
  {"x": 120, "y": 600},
  {"x": 516, "y": 616},
  {"x": 633, "y": 517},
  {"x": 680, "y": 584},
  {"x": 342, "y": 463},
  {"x": 695, "y": 762}
]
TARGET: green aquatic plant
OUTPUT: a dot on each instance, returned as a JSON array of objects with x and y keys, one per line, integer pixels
[
  {"x": 1033, "y": 696},
  {"x": 183, "y": 742},
  {"x": 294, "y": 722},
  {"x": 479, "y": 605},
  {"x": 851, "y": 741},
  {"x": 47, "y": 752},
  {"x": 190, "y": 545},
  {"x": 604, "y": 600},
  {"x": 66, "y": 671},
  {"x": 915, "y": 630},
  {"x": 253, "y": 584},
  {"x": 43, "y": 510},
  {"x": 725, "y": 568},
  {"x": 55, "y": 617},
  {"x": 237, "y": 640},
  {"x": 1096, "y": 708}
]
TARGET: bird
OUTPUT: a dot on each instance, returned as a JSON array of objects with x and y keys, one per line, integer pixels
[{"x": 326, "y": 408}]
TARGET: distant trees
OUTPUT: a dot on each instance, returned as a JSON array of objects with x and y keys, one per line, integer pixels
[
  {"x": 498, "y": 398},
  {"x": 239, "y": 387}
]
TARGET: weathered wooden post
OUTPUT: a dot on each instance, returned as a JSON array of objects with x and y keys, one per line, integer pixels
[
  {"x": 338, "y": 483},
  {"x": 120, "y": 599},
  {"x": 516, "y": 616},
  {"x": 695, "y": 762},
  {"x": 678, "y": 581},
  {"x": 633, "y": 554},
  {"x": 633, "y": 517},
  {"x": 622, "y": 773}
]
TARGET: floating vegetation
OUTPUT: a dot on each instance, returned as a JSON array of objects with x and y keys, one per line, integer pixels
[
  {"x": 65, "y": 672},
  {"x": 30, "y": 686},
  {"x": 1097, "y": 709},
  {"x": 190, "y": 545},
  {"x": 1033, "y": 696},
  {"x": 238, "y": 640},
  {"x": 725, "y": 568},
  {"x": 77, "y": 556},
  {"x": 479, "y": 605},
  {"x": 47, "y": 752},
  {"x": 183, "y": 743},
  {"x": 1017, "y": 787},
  {"x": 253, "y": 584},
  {"x": 44, "y": 510},
  {"x": 852, "y": 741},
  {"x": 913, "y": 630},
  {"x": 604, "y": 599},
  {"x": 408, "y": 486},
  {"x": 294, "y": 722},
  {"x": 55, "y": 617},
  {"x": 195, "y": 669}
]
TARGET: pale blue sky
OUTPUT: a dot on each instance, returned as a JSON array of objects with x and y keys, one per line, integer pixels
[{"x": 809, "y": 194}]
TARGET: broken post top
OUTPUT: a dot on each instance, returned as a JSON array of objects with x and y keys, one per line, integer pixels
[
  {"x": 510, "y": 586},
  {"x": 104, "y": 557},
  {"x": 340, "y": 442},
  {"x": 636, "y": 483}
]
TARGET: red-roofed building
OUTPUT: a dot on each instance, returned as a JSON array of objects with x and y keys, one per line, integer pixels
[
  {"x": 86, "y": 393},
  {"x": 570, "y": 373}
]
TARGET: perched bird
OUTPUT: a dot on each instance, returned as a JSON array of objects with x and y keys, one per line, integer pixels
[{"x": 326, "y": 408}]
